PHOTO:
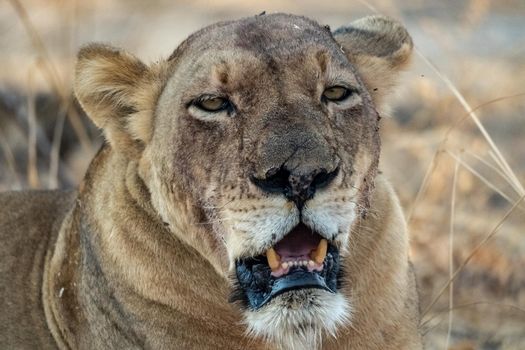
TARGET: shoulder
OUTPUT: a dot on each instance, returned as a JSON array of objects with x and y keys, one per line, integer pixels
[{"x": 24, "y": 211}]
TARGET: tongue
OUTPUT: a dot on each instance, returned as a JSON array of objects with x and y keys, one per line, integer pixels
[{"x": 298, "y": 243}]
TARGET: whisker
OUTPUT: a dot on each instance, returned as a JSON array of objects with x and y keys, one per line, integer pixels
[
  {"x": 219, "y": 207},
  {"x": 211, "y": 222}
]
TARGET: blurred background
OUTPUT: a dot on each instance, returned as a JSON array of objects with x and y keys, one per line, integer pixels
[{"x": 453, "y": 137}]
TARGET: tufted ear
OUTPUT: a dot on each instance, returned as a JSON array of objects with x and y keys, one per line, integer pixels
[
  {"x": 379, "y": 47},
  {"x": 119, "y": 93}
]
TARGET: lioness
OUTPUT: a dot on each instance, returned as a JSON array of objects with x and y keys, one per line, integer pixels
[{"x": 237, "y": 203}]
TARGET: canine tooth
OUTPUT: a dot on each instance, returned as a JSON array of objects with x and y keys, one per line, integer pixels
[
  {"x": 274, "y": 260},
  {"x": 311, "y": 263},
  {"x": 319, "y": 254},
  {"x": 284, "y": 265}
]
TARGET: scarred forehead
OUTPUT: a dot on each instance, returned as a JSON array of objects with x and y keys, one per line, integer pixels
[{"x": 275, "y": 35}]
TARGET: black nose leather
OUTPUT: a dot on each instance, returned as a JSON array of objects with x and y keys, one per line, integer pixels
[{"x": 296, "y": 187}]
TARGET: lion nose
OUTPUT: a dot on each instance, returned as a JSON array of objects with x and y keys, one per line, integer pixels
[{"x": 297, "y": 187}]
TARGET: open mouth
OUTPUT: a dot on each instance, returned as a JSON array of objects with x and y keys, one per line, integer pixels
[{"x": 302, "y": 259}]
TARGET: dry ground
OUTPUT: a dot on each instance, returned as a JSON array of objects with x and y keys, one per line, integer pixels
[{"x": 457, "y": 179}]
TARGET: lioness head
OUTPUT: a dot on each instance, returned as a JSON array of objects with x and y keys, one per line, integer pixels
[{"x": 258, "y": 143}]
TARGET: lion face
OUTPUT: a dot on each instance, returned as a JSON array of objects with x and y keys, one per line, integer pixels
[{"x": 260, "y": 150}]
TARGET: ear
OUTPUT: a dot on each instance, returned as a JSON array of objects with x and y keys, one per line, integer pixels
[
  {"x": 379, "y": 47},
  {"x": 118, "y": 92}
]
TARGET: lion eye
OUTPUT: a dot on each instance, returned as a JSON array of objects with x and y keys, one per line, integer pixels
[
  {"x": 336, "y": 93},
  {"x": 213, "y": 104}
]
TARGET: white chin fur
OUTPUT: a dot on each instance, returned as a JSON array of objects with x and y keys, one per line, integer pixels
[{"x": 299, "y": 319}]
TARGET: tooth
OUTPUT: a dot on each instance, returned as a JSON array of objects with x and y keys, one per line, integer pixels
[
  {"x": 311, "y": 263},
  {"x": 319, "y": 254},
  {"x": 284, "y": 265},
  {"x": 274, "y": 260},
  {"x": 303, "y": 263}
]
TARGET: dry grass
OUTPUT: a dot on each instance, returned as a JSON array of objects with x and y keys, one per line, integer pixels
[
  {"x": 467, "y": 164},
  {"x": 51, "y": 74}
]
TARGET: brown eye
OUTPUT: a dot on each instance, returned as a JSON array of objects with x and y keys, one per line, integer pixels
[
  {"x": 213, "y": 104},
  {"x": 336, "y": 93}
]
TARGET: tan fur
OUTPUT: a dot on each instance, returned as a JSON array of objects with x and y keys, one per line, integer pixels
[{"x": 144, "y": 257}]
